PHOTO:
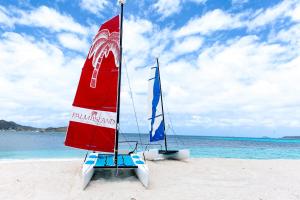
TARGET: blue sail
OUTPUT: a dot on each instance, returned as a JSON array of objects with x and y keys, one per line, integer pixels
[{"x": 155, "y": 111}]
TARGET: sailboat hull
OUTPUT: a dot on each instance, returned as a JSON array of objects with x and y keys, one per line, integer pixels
[
  {"x": 142, "y": 171},
  {"x": 105, "y": 161},
  {"x": 155, "y": 154},
  {"x": 88, "y": 169}
]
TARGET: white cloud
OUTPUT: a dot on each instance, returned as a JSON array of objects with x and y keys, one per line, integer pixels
[
  {"x": 136, "y": 33},
  {"x": 244, "y": 82},
  {"x": 188, "y": 45},
  {"x": 51, "y": 19},
  {"x": 270, "y": 15},
  {"x": 167, "y": 7},
  {"x": 237, "y": 83},
  {"x": 217, "y": 19},
  {"x": 240, "y": 82},
  {"x": 295, "y": 13},
  {"x": 4, "y": 18},
  {"x": 43, "y": 17},
  {"x": 291, "y": 35},
  {"x": 73, "y": 42},
  {"x": 94, "y": 6},
  {"x": 143, "y": 42},
  {"x": 37, "y": 80},
  {"x": 209, "y": 22}
]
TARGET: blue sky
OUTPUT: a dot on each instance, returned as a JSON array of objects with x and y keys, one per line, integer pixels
[{"x": 228, "y": 67}]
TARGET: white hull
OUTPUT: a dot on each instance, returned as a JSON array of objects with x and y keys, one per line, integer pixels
[
  {"x": 87, "y": 176},
  {"x": 142, "y": 171},
  {"x": 88, "y": 169},
  {"x": 153, "y": 154}
]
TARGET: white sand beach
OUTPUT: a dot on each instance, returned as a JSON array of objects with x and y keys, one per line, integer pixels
[{"x": 196, "y": 179}]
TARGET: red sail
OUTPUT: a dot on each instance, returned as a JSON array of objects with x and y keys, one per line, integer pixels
[{"x": 93, "y": 119}]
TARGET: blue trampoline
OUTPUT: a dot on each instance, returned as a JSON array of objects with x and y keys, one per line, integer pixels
[{"x": 107, "y": 161}]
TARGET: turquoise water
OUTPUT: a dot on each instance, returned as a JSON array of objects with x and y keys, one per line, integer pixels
[{"x": 31, "y": 145}]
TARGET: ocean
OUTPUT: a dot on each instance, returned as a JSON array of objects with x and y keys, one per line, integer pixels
[{"x": 36, "y": 145}]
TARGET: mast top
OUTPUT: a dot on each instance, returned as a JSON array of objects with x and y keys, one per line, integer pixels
[{"x": 121, "y": 1}]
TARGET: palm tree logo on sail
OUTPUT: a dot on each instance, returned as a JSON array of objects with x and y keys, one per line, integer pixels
[{"x": 104, "y": 42}]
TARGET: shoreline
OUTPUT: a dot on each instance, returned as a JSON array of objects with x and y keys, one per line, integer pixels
[
  {"x": 8, "y": 160},
  {"x": 17, "y": 160},
  {"x": 54, "y": 130}
]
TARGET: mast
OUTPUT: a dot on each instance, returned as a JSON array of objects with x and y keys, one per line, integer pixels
[
  {"x": 119, "y": 87},
  {"x": 162, "y": 105}
]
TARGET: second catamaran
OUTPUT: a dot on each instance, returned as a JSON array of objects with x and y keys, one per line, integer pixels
[{"x": 157, "y": 121}]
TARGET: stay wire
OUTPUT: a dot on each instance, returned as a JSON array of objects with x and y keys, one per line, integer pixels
[
  {"x": 123, "y": 134},
  {"x": 172, "y": 128},
  {"x": 131, "y": 96}
]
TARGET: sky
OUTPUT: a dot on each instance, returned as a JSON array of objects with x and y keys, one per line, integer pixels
[{"x": 229, "y": 68}]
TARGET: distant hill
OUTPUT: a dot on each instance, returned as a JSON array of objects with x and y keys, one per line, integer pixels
[
  {"x": 58, "y": 129},
  {"x": 291, "y": 137},
  {"x": 5, "y": 125},
  {"x": 12, "y": 126}
]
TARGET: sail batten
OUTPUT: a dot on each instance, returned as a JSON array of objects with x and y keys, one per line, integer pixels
[{"x": 94, "y": 115}]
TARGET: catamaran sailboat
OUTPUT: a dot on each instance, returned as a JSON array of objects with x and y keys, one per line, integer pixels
[
  {"x": 157, "y": 121},
  {"x": 94, "y": 123}
]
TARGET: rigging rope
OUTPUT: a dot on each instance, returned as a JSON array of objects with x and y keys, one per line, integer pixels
[
  {"x": 123, "y": 134},
  {"x": 133, "y": 105},
  {"x": 172, "y": 127}
]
